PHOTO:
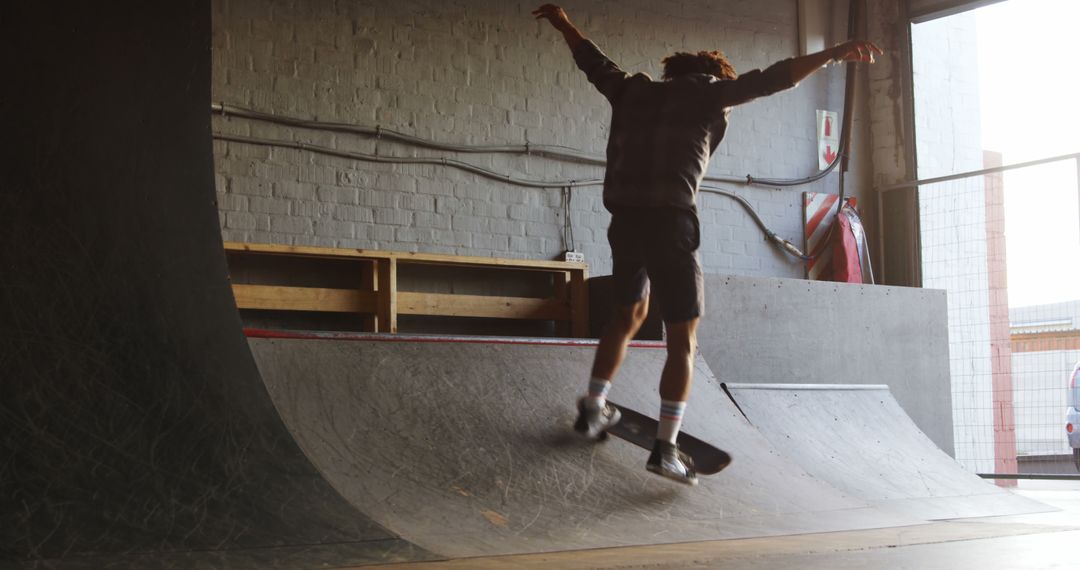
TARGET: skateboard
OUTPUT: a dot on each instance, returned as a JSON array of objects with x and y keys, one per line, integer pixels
[{"x": 640, "y": 430}]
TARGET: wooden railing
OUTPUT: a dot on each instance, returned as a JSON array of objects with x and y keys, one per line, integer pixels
[{"x": 377, "y": 296}]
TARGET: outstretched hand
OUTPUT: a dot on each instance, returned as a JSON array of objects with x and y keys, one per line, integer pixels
[
  {"x": 855, "y": 50},
  {"x": 554, "y": 14},
  {"x": 558, "y": 18}
]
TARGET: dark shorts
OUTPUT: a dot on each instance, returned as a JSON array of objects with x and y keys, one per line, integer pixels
[{"x": 658, "y": 246}]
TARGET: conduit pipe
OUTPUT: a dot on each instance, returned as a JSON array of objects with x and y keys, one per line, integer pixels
[
  {"x": 780, "y": 242},
  {"x": 453, "y": 163},
  {"x": 548, "y": 151}
]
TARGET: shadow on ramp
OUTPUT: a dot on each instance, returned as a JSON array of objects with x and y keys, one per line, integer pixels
[{"x": 134, "y": 428}]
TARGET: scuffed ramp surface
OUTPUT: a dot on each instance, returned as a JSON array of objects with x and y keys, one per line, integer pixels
[
  {"x": 858, "y": 439},
  {"x": 466, "y": 449}
]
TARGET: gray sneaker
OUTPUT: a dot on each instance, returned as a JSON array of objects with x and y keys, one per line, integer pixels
[
  {"x": 667, "y": 461},
  {"x": 594, "y": 424}
]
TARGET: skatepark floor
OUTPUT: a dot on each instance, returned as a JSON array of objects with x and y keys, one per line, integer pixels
[{"x": 1045, "y": 540}]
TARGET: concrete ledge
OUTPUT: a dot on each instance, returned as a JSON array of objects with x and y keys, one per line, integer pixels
[{"x": 768, "y": 330}]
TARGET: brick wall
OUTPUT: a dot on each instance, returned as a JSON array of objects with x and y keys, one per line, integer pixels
[
  {"x": 953, "y": 221},
  {"x": 483, "y": 72}
]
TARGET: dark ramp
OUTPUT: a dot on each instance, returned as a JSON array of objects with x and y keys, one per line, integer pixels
[
  {"x": 466, "y": 449},
  {"x": 857, "y": 438},
  {"x": 134, "y": 428}
]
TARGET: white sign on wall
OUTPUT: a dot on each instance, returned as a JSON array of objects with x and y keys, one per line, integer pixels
[{"x": 828, "y": 137}]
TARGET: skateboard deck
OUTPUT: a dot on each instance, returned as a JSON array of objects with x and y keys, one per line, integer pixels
[{"x": 640, "y": 430}]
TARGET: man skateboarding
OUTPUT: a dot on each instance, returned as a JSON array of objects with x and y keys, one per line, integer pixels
[{"x": 662, "y": 136}]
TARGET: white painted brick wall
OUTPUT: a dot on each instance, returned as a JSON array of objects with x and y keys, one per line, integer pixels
[
  {"x": 953, "y": 221},
  {"x": 484, "y": 72}
]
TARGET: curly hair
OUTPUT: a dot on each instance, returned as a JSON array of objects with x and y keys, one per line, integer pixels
[{"x": 709, "y": 62}]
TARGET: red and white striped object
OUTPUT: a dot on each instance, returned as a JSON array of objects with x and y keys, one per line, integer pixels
[{"x": 819, "y": 213}]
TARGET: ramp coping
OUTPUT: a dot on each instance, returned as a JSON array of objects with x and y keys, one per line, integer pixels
[
  {"x": 433, "y": 338},
  {"x": 746, "y": 386}
]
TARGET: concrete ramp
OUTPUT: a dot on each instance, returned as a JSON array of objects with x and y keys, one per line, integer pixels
[
  {"x": 465, "y": 448},
  {"x": 858, "y": 439},
  {"x": 764, "y": 330},
  {"x": 135, "y": 431}
]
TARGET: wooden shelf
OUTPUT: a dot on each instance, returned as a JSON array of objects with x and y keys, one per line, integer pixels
[{"x": 378, "y": 298}]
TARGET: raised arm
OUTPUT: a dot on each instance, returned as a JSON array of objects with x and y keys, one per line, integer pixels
[
  {"x": 788, "y": 73},
  {"x": 608, "y": 78},
  {"x": 561, "y": 22},
  {"x": 853, "y": 50}
]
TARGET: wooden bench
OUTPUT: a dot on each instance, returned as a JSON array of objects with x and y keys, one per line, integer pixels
[{"x": 377, "y": 296}]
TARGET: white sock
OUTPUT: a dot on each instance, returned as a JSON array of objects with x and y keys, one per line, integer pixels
[
  {"x": 671, "y": 415},
  {"x": 598, "y": 390}
]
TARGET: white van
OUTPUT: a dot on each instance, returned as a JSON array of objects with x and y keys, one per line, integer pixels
[{"x": 1072, "y": 416}]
